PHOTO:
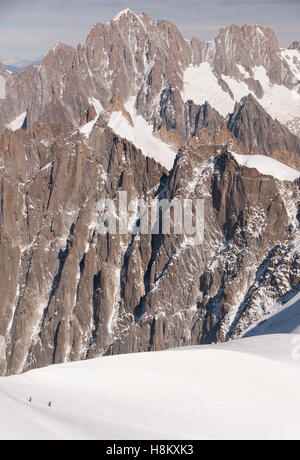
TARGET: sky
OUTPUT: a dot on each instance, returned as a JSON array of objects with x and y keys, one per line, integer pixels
[{"x": 30, "y": 28}]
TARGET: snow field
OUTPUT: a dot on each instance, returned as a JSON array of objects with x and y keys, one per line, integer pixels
[
  {"x": 201, "y": 85},
  {"x": 141, "y": 135},
  {"x": 267, "y": 166},
  {"x": 204, "y": 392}
]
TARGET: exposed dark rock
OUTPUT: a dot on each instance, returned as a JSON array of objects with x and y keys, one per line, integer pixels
[
  {"x": 69, "y": 293},
  {"x": 256, "y": 129}
]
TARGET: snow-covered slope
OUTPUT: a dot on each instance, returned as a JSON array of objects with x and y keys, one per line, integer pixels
[
  {"x": 88, "y": 127},
  {"x": 17, "y": 123},
  {"x": 210, "y": 392},
  {"x": 285, "y": 320},
  {"x": 201, "y": 85},
  {"x": 267, "y": 166},
  {"x": 141, "y": 135},
  {"x": 97, "y": 104},
  {"x": 275, "y": 98}
]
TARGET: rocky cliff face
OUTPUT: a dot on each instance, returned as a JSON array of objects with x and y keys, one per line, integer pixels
[
  {"x": 259, "y": 133},
  {"x": 63, "y": 279},
  {"x": 69, "y": 293},
  {"x": 130, "y": 55}
]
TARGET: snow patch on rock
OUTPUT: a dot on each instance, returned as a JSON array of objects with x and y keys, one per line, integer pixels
[
  {"x": 293, "y": 59},
  {"x": 88, "y": 127},
  {"x": 122, "y": 13},
  {"x": 141, "y": 135},
  {"x": 17, "y": 123},
  {"x": 267, "y": 166},
  {"x": 2, "y": 347},
  {"x": 200, "y": 84},
  {"x": 97, "y": 104}
]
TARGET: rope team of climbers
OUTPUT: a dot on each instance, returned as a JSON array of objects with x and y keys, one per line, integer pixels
[{"x": 49, "y": 403}]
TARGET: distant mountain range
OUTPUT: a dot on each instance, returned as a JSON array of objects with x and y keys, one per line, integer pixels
[{"x": 22, "y": 65}]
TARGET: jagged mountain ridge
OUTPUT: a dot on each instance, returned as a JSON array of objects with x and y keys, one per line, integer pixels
[
  {"x": 135, "y": 56},
  {"x": 259, "y": 133},
  {"x": 69, "y": 293}
]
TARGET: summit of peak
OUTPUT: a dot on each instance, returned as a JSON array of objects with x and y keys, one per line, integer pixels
[
  {"x": 56, "y": 46},
  {"x": 247, "y": 28},
  {"x": 59, "y": 45},
  {"x": 249, "y": 100},
  {"x": 123, "y": 13}
]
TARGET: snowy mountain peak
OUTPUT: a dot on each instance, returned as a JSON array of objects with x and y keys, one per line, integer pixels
[
  {"x": 64, "y": 290},
  {"x": 260, "y": 29},
  {"x": 123, "y": 13},
  {"x": 57, "y": 46}
]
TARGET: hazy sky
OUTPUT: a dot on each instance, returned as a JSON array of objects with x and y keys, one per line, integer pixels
[{"x": 29, "y": 28}]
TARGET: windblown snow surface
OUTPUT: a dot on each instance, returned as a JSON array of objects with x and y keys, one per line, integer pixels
[{"x": 247, "y": 389}]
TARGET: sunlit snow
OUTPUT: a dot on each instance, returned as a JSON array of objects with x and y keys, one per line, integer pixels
[
  {"x": 201, "y": 85},
  {"x": 88, "y": 127},
  {"x": 141, "y": 135},
  {"x": 244, "y": 389},
  {"x": 122, "y": 13},
  {"x": 204, "y": 392},
  {"x": 97, "y": 104},
  {"x": 268, "y": 166},
  {"x": 283, "y": 321},
  {"x": 17, "y": 123}
]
